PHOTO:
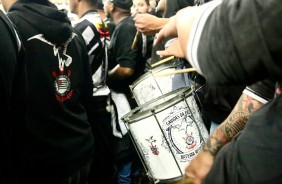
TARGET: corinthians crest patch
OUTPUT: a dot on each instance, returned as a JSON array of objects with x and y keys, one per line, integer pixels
[{"x": 62, "y": 85}]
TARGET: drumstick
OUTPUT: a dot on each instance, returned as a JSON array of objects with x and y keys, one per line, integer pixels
[
  {"x": 176, "y": 72},
  {"x": 135, "y": 40},
  {"x": 185, "y": 181},
  {"x": 162, "y": 61}
]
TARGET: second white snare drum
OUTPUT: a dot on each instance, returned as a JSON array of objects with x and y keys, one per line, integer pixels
[{"x": 149, "y": 86}]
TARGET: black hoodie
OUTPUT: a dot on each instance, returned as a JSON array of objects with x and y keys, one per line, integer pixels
[{"x": 59, "y": 139}]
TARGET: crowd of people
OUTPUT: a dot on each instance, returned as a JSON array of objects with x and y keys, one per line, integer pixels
[{"x": 66, "y": 87}]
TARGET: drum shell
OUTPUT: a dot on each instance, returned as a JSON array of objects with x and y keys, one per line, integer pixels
[{"x": 160, "y": 130}]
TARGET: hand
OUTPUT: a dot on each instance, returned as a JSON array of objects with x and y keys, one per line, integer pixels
[
  {"x": 173, "y": 49},
  {"x": 169, "y": 30},
  {"x": 199, "y": 167},
  {"x": 179, "y": 26},
  {"x": 149, "y": 24}
]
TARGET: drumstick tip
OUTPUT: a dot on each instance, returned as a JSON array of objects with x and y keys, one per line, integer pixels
[{"x": 133, "y": 46}]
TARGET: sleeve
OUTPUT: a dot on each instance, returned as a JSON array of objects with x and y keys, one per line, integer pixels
[
  {"x": 235, "y": 41},
  {"x": 261, "y": 91},
  {"x": 91, "y": 36},
  {"x": 88, "y": 84}
]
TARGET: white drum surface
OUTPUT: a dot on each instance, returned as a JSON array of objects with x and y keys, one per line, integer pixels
[{"x": 168, "y": 150}]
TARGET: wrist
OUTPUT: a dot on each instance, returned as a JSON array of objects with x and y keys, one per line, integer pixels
[{"x": 212, "y": 146}]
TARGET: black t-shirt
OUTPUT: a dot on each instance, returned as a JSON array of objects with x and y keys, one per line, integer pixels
[
  {"x": 173, "y": 6},
  {"x": 120, "y": 52},
  {"x": 220, "y": 100},
  {"x": 111, "y": 25}
]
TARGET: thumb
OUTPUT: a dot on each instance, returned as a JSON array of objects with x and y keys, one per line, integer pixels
[{"x": 162, "y": 53}]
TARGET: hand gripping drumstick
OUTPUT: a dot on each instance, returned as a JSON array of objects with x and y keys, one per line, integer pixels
[
  {"x": 135, "y": 40},
  {"x": 162, "y": 61},
  {"x": 175, "y": 72}
]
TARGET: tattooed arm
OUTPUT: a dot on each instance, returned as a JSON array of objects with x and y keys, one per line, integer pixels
[{"x": 234, "y": 123}]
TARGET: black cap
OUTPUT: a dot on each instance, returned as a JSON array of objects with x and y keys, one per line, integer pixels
[
  {"x": 123, "y": 4},
  {"x": 100, "y": 5}
]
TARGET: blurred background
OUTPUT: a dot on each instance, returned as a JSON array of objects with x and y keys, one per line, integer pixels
[{"x": 61, "y": 4}]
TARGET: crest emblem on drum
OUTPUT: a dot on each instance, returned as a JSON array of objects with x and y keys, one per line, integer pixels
[
  {"x": 153, "y": 146},
  {"x": 183, "y": 133}
]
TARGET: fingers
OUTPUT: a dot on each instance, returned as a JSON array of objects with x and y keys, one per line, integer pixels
[
  {"x": 162, "y": 53},
  {"x": 169, "y": 30},
  {"x": 172, "y": 49},
  {"x": 160, "y": 36},
  {"x": 145, "y": 23}
]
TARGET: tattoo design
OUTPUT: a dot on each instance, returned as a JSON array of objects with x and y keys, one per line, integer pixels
[
  {"x": 235, "y": 122},
  {"x": 212, "y": 146}
]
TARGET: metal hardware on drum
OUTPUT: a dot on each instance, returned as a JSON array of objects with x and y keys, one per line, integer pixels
[
  {"x": 167, "y": 132},
  {"x": 158, "y": 86}
]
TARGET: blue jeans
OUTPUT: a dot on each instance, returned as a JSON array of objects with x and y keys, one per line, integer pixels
[
  {"x": 213, "y": 127},
  {"x": 126, "y": 171}
]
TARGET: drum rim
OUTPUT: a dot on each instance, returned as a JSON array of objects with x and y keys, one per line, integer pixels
[
  {"x": 149, "y": 73},
  {"x": 132, "y": 118},
  {"x": 174, "y": 179}
]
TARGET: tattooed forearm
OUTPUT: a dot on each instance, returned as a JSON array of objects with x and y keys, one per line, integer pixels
[
  {"x": 212, "y": 146},
  {"x": 233, "y": 124}
]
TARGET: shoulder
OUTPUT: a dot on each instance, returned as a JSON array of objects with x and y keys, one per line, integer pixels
[
  {"x": 90, "y": 19},
  {"x": 128, "y": 22},
  {"x": 79, "y": 40},
  {"x": 126, "y": 27}
]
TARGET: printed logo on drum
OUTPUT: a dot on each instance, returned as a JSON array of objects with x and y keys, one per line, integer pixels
[
  {"x": 153, "y": 146},
  {"x": 190, "y": 140},
  {"x": 182, "y": 133}
]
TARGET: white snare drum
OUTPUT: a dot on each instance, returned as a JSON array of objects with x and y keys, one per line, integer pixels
[
  {"x": 168, "y": 133},
  {"x": 149, "y": 87}
]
